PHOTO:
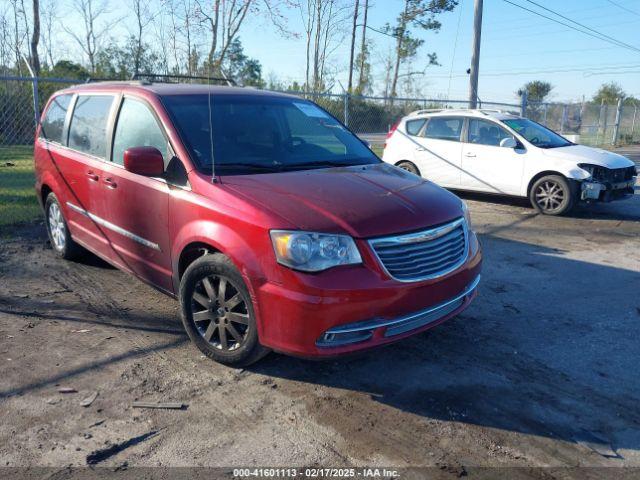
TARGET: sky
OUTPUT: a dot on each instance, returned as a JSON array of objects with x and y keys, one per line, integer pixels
[{"x": 517, "y": 46}]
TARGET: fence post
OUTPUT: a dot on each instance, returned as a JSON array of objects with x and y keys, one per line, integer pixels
[
  {"x": 523, "y": 104},
  {"x": 563, "y": 120},
  {"x": 36, "y": 101},
  {"x": 616, "y": 127},
  {"x": 544, "y": 121},
  {"x": 346, "y": 109},
  {"x": 633, "y": 122},
  {"x": 604, "y": 121}
]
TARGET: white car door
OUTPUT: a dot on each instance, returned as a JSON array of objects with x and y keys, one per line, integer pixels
[
  {"x": 438, "y": 150},
  {"x": 486, "y": 166}
]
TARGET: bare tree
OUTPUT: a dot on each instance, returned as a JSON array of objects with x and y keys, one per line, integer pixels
[
  {"x": 306, "y": 8},
  {"x": 17, "y": 34},
  {"x": 35, "y": 38},
  {"x": 48, "y": 18},
  {"x": 93, "y": 31},
  {"x": 324, "y": 21},
  {"x": 353, "y": 45},
  {"x": 143, "y": 17},
  {"x": 5, "y": 40},
  {"x": 363, "y": 49},
  {"x": 418, "y": 14},
  {"x": 223, "y": 20}
]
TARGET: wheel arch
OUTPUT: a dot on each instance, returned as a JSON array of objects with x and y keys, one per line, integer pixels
[
  {"x": 45, "y": 190},
  {"x": 190, "y": 253},
  {"x": 544, "y": 173},
  {"x": 200, "y": 237},
  {"x": 397, "y": 164}
]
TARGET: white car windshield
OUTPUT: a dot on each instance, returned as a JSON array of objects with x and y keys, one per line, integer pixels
[{"x": 536, "y": 134}]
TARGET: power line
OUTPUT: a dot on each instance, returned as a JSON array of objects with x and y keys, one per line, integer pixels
[
  {"x": 599, "y": 37},
  {"x": 587, "y": 69},
  {"x": 623, "y": 7},
  {"x": 455, "y": 45},
  {"x": 582, "y": 25}
]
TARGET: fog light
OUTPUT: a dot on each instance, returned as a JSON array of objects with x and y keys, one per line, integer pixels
[{"x": 336, "y": 339}]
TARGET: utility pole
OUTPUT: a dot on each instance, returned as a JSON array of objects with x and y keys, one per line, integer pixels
[{"x": 475, "y": 56}]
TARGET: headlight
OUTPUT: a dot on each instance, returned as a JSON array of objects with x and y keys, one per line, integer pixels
[
  {"x": 467, "y": 215},
  {"x": 313, "y": 252},
  {"x": 590, "y": 169}
]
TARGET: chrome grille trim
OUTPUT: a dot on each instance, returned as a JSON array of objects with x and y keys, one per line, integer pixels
[
  {"x": 423, "y": 255},
  {"x": 395, "y": 326}
]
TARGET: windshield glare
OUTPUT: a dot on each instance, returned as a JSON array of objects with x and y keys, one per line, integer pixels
[
  {"x": 255, "y": 134},
  {"x": 536, "y": 134}
]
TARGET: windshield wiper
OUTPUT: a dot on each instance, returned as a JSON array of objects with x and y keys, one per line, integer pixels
[
  {"x": 250, "y": 166},
  {"x": 319, "y": 163}
]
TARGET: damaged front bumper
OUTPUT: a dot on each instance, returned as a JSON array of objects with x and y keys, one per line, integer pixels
[{"x": 592, "y": 191}]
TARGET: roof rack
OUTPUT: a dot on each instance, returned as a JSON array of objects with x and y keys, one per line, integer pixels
[
  {"x": 483, "y": 111},
  {"x": 149, "y": 77}
]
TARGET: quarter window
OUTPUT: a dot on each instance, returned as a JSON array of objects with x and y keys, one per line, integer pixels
[
  {"x": 53, "y": 122},
  {"x": 442, "y": 128},
  {"x": 137, "y": 127},
  {"x": 482, "y": 132},
  {"x": 414, "y": 126},
  {"x": 88, "y": 130}
]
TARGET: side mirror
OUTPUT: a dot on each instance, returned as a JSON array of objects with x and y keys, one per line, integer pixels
[
  {"x": 145, "y": 161},
  {"x": 508, "y": 142}
]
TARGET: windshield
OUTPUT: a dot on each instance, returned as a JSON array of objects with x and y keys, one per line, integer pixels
[
  {"x": 536, "y": 134},
  {"x": 260, "y": 134}
]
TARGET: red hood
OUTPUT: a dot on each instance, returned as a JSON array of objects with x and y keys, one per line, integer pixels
[{"x": 362, "y": 201}]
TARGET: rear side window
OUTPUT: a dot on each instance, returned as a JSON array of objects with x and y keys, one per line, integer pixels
[
  {"x": 482, "y": 132},
  {"x": 88, "y": 130},
  {"x": 53, "y": 121},
  {"x": 414, "y": 126},
  {"x": 444, "y": 128},
  {"x": 137, "y": 127}
]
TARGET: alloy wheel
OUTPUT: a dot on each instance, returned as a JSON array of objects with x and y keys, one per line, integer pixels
[
  {"x": 56, "y": 226},
  {"x": 220, "y": 312},
  {"x": 549, "y": 195}
]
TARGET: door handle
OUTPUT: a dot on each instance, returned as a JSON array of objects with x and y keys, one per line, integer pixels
[
  {"x": 92, "y": 176},
  {"x": 421, "y": 149},
  {"x": 470, "y": 155},
  {"x": 110, "y": 183}
]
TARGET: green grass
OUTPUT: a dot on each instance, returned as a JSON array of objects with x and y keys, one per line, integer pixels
[{"x": 18, "y": 201}]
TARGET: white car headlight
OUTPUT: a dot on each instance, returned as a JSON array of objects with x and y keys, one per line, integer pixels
[
  {"x": 313, "y": 252},
  {"x": 467, "y": 215}
]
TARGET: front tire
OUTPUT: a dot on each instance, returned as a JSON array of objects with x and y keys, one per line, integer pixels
[
  {"x": 408, "y": 166},
  {"x": 217, "y": 312},
  {"x": 552, "y": 195},
  {"x": 58, "y": 231}
]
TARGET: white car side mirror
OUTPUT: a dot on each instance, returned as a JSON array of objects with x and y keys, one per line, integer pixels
[{"x": 508, "y": 143}]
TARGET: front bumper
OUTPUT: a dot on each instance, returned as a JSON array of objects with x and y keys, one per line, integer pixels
[
  {"x": 363, "y": 331},
  {"x": 591, "y": 191},
  {"x": 361, "y": 306}
]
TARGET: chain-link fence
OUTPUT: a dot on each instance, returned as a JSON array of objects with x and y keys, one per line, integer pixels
[
  {"x": 22, "y": 99},
  {"x": 591, "y": 124}
]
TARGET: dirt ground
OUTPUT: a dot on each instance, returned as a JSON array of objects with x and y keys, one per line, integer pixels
[{"x": 541, "y": 371}]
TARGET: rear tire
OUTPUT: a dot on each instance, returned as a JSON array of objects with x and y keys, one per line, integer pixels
[
  {"x": 58, "y": 231},
  {"x": 552, "y": 195},
  {"x": 409, "y": 167},
  {"x": 217, "y": 312}
]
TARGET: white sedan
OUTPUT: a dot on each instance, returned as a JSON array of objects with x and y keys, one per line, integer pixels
[{"x": 495, "y": 152}]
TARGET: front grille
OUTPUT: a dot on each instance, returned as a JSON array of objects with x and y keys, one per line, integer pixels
[
  {"x": 613, "y": 175},
  {"x": 425, "y": 254}
]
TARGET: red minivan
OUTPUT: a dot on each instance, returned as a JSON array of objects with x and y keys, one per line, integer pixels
[{"x": 274, "y": 226}]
